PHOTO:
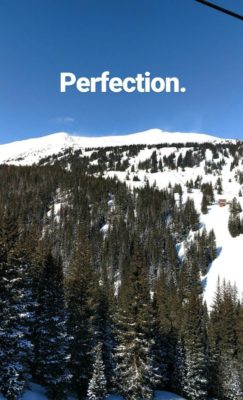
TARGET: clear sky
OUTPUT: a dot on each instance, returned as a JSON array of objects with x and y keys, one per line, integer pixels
[{"x": 41, "y": 38}]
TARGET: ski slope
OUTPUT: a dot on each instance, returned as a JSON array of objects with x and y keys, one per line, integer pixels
[{"x": 228, "y": 265}]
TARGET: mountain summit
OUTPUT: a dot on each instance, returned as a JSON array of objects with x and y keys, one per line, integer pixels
[{"x": 31, "y": 151}]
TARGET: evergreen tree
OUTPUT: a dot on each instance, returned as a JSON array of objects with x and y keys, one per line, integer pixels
[
  {"x": 235, "y": 207},
  {"x": 212, "y": 246},
  {"x": 204, "y": 205},
  {"x": 97, "y": 385},
  {"x": 15, "y": 313},
  {"x": 104, "y": 324},
  {"x": 179, "y": 379},
  {"x": 234, "y": 225},
  {"x": 208, "y": 192},
  {"x": 154, "y": 162},
  {"x": 224, "y": 344},
  {"x": 190, "y": 215},
  {"x": 196, "y": 356},
  {"x": 81, "y": 290},
  {"x": 50, "y": 334},
  {"x": 219, "y": 186},
  {"x": 135, "y": 375},
  {"x": 230, "y": 379},
  {"x": 160, "y": 165}
]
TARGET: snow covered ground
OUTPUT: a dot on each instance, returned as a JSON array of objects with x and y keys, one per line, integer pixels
[
  {"x": 38, "y": 393},
  {"x": 35, "y": 392},
  {"x": 159, "y": 395},
  {"x": 228, "y": 265},
  {"x": 167, "y": 396}
]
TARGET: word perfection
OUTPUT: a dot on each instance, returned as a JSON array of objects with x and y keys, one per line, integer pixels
[{"x": 141, "y": 83}]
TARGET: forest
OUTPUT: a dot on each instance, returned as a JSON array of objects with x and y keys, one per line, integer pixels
[{"x": 94, "y": 298}]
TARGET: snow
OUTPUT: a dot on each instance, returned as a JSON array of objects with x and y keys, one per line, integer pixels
[
  {"x": 34, "y": 392},
  {"x": 57, "y": 208},
  {"x": 159, "y": 395},
  {"x": 30, "y": 151},
  {"x": 209, "y": 155},
  {"x": 37, "y": 392},
  {"x": 105, "y": 228},
  {"x": 228, "y": 264},
  {"x": 167, "y": 396}
]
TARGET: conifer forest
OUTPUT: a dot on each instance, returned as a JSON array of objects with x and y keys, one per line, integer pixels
[{"x": 97, "y": 296}]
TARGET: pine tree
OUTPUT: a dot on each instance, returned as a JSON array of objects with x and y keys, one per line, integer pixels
[
  {"x": 224, "y": 344},
  {"x": 208, "y": 192},
  {"x": 15, "y": 313},
  {"x": 203, "y": 253},
  {"x": 204, "y": 205},
  {"x": 190, "y": 215},
  {"x": 235, "y": 207},
  {"x": 235, "y": 223},
  {"x": 179, "y": 380},
  {"x": 166, "y": 308},
  {"x": 160, "y": 165},
  {"x": 154, "y": 162},
  {"x": 135, "y": 376},
  {"x": 104, "y": 323},
  {"x": 97, "y": 385},
  {"x": 212, "y": 245},
  {"x": 196, "y": 355},
  {"x": 81, "y": 291},
  {"x": 50, "y": 337},
  {"x": 230, "y": 379},
  {"x": 219, "y": 186}
]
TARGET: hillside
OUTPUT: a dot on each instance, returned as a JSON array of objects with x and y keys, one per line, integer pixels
[
  {"x": 32, "y": 151},
  {"x": 107, "y": 256}
]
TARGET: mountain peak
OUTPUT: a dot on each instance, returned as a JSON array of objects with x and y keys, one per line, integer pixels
[{"x": 30, "y": 151}]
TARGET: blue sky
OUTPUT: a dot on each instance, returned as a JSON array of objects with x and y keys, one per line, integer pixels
[{"x": 41, "y": 38}]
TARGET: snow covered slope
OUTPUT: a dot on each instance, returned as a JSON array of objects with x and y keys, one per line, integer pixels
[
  {"x": 30, "y": 151},
  {"x": 228, "y": 264}
]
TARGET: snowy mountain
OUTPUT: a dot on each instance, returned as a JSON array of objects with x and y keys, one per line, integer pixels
[
  {"x": 152, "y": 215},
  {"x": 30, "y": 151}
]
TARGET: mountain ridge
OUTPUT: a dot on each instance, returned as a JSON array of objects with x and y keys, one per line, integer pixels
[{"x": 30, "y": 151}]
